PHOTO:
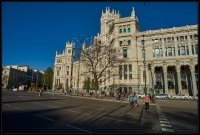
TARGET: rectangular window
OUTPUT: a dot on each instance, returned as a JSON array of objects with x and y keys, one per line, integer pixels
[
  {"x": 177, "y": 38},
  {"x": 130, "y": 68},
  {"x": 178, "y": 51},
  {"x": 165, "y": 51},
  {"x": 153, "y": 52},
  {"x": 67, "y": 72},
  {"x": 187, "y": 50},
  {"x": 157, "y": 53},
  {"x": 181, "y": 38},
  {"x": 192, "y": 49},
  {"x": 130, "y": 76},
  {"x": 161, "y": 52},
  {"x": 196, "y": 49},
  {"x": 185, "y": 37},
  {"x": 125, "y": 53},
  {"x": 169, "y": 51},
  {"x": 173, "y": 52},
  {"x": 125, "y": 72},
  {"x": 183, "y": 50},
  {"x": 120, "y": 72},
  {"x": 69, "y": 51},
  {"x": 195, "y": 37},
  {"x": 191, "y": 37}
]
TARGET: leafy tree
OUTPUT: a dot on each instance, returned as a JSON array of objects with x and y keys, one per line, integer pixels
[
  {"x": 60, "y": 86},
  {"x": 48, "y": 78},
  {"x": 87, "y": 84},
  {"x": 98, "y": 59}
]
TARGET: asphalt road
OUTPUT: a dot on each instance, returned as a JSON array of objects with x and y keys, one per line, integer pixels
[{"x": 26, "y": 112}]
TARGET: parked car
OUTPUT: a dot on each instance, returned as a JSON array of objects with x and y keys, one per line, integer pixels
[
  {"x": 140, "y": 95},
  {"x": 15, "y": 89},
  {"x": 162, "y": 96},
  {"x": 185, "y": 97}
]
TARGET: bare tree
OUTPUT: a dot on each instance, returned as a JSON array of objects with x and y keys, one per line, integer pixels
[{"x": 99, "y": 60}]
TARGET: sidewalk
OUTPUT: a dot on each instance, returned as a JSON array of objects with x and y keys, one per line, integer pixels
[{"x": 102, "y": 98}]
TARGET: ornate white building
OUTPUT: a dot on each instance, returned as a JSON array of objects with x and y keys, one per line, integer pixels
[{"x": 171, "y": 53}]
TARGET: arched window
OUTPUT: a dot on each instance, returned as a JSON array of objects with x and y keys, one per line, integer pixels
[
  {"x": 124, "y": 30},
  {"x": 120, "y": 31},
  {"x": 129, "y": 30}
]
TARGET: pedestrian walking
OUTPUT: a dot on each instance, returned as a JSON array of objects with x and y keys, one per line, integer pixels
[
  {"x": 40, "y": 92},
  {"x": 133, "y": 100},
  {"x": 146, "y": 101}
]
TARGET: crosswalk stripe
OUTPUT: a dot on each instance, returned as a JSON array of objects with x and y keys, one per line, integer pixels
[
  {"x": 168, "y": 130},
  {"x": 165, "y": 125}
]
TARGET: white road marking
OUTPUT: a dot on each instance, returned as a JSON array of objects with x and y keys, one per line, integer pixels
[
  {"x": 165, "y": 125},
  {"x": 164, "y": 121},
  {"x": 120, "y": 120},
  {"x": 168, "y": 130},
  {"x": 44, "y": 117},
  {"x": 78, "y": 128}
]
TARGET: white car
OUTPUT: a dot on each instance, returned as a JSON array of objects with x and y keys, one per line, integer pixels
[
  {"x": 185, "y": 97},
  {"x": 15, "y": 89},
  {"x": 140, "y": 95},
  {"x": 162, "y": 96}
]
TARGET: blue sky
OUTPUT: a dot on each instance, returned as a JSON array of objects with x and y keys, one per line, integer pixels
[{"x": 33, "y": 31}]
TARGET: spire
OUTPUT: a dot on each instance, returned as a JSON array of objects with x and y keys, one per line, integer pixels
[
  {"x": 137, "y": 19},
  {"x": 109, "y": 9},
  {"x": 56, "y": 52},
  {"x": 133, "y": 12}
]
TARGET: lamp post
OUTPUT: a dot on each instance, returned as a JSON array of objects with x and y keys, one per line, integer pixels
[{"x": 144, "y": 61}]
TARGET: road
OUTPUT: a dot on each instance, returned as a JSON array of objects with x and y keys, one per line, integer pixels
[{"x": 26, "y": 112}]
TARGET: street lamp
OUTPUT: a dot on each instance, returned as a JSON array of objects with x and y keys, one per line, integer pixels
[{"x": 144, "y": 61}]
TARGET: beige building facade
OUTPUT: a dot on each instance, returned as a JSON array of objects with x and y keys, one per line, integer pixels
[{"x": 170, "y": 54}]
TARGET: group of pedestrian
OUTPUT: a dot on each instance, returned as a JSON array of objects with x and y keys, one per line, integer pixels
[{"x": 134, "y": 101}]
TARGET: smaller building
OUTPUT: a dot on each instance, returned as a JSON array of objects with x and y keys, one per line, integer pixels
[{"x": 15, "y": 76}]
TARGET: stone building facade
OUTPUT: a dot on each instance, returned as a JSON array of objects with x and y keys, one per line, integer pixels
[
  {"x": 16, "y": 75},
  {"x": 170, "y": 54}
]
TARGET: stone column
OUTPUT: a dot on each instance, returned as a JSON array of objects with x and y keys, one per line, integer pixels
[
  {"x": 150, "y": 78},
  {"x": 153, "y": 76},
  {"x": 194, "y": 86},
  {"x": 189, "y": 45},
  {"x": 165, "y": 79},
  {"x": 178, "y": 71},
  {"x": 163, "y": 47},
  {"x": 176, "y": 46},
  {"x": 122, "y": 72}
]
